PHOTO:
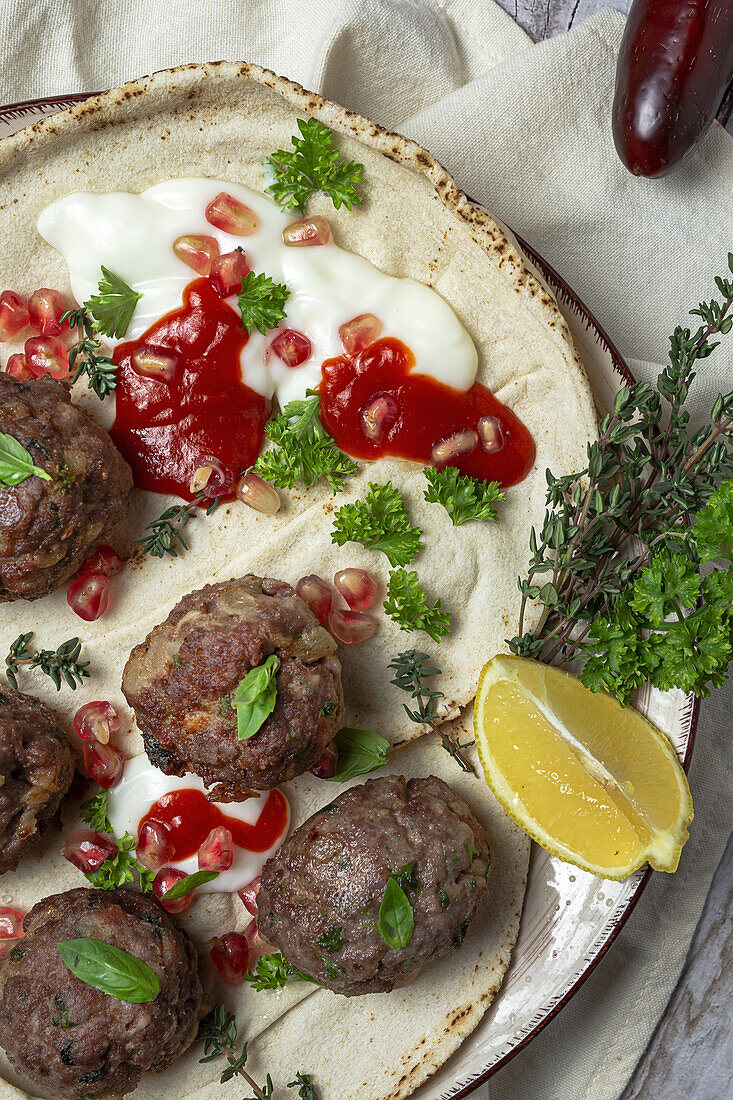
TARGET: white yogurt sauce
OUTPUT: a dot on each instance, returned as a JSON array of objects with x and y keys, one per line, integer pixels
[
  {"x": 142, "y": 785},
  {"x": 133, "y": 235}
]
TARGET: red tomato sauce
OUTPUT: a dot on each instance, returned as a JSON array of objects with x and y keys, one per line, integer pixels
[
  {"x": 427, "y": 412},
  {"x": 190, "y": 817},
  {"x": 162, "y": 427}
]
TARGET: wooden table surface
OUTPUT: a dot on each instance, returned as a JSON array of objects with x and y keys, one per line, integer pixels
[{"x": 691, "y": 1052}]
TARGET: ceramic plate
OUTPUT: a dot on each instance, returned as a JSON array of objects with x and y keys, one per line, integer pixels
[{"x": 570, "y": 918}]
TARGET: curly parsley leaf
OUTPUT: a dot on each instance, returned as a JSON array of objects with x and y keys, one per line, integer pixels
[
  {"x": 406, "y": 604},
  {"x": 360, "y": 751},
  {"x": 463, "y": 497},
  {"x": 121, "y": 868},
  {"x": 313, "y": 164},
  {"x": 669, "y": 583},
  {"x": 16, "y": 464},
  {"x": 261, "y": 301},
  {"x": 381, "y": 523},
  {"x": 255, "y": 697},
  {"x": 713, "y": 530},
  {"x": 304, "y": 451},
  {"x": 396, "y": 918},
  {"x": 94, "y": 812},
  {"x": 272, "y": 972},
  {"x": 113, "y": 306}
]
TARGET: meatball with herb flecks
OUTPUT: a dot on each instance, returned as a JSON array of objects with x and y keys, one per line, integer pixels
[
  {"x": 36, "y": 769},
  {"x": 369, "y": 889},
  {"x": 183, "y": 679},
  {"x": 49, "y": 526},
  {"x": 70, "y": 1038}
]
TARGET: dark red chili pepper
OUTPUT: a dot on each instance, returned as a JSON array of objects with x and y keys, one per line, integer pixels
[{"x": 675, "y": 63}]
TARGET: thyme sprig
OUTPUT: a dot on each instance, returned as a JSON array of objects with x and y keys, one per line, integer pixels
[
  {"x": 100, "y": 370},
  {"x": 59, "y": 664},
  {"x": 647, "y": 477},
  {"x": 411, "y": 669},
  {"x": 165, "y": 532}
]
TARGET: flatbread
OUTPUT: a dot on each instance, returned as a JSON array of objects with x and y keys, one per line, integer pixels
[{"x": 222, "y": 121}]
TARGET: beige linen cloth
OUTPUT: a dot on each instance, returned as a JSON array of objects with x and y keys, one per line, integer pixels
[{"x": 525, "y": 130}]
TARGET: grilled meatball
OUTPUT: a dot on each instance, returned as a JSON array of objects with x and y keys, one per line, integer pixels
[
  {"x": 180, "y": 682},
  {"x": 73, "y": 1040},
  {"x": 36, "y": 769},
  {"x": 320, "y": 896},
  {"x": 48, "y": 528}
]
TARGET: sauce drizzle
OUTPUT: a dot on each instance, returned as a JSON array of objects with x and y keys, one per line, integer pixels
[{"x": 189, "y": 818}]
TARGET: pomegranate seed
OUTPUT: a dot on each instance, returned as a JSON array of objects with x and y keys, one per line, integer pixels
[
  {"x": 248, "y": 894},
  {"x": 292, "y": 347},
  {"x": 154, "y": 845},
  {"x": 356, "y": 586},
  {"x": 95, "y": 721},
  {"x": 217, "y": 851},
  {"x": 45, "y": 309},
  {"x": 307, "y": 231},
  {"x": 17, "y": 367},
  {"x": 454, "y": 447},
  {"x": 88, "y": 850},
  {"x": 105, "y": 763},
  {"x": 165, "y": 878},
  {"x": 360, "y": 332},
  {"x": 257, "y": 494},
  {"x": 89, "y": 596},
  {"x": 492, "y": 437},
  {"x": 212, "y": 477},
  {"x": 316, "y": 594},
  {"x": 231, "y": 216},
  {"x": 11, "y": 924},
  {"x": 13, "y": 315},
  {"x": 46, "y": 355},
  {"x": 257, "y": 945},
  {"x": 230, "y": 955},
  {"x": 379, "y": 416},
  {"x": 154, "y": 362},
  {"x": 350, "y": 626},
  {"x": 227, "y": 272},
  {"x": 104, "y": 560},
  {"x": 197, "y": 252},
  {"x": 325, "y": 765}
]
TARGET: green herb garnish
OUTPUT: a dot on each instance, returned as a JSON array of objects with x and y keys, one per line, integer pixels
[
  {"x": 111, "y": 970},
  {"x": 165, "y": 532},
  {"x": 331, "y": 940},
  {"x": 255, "y": 697},
  {"x": 411, "y": 670},
  {"x": 100, "y": 370},
  {"x": 187, "y": 885},
  {"x": 261, "y": 302},
  {"x": 219, "y": 1033},
  {"x": 272, "y": 972},
  {"x": 381, "y": 523},
  {"x": 304, "y": 450},
  {"x": 94, "y": 812},
  {"x": 59, "y": 664},
  {"x": 313, "y": 164},
  {"x": 16, "y": 464},
  {"x": 406, "y": 878},
  {"x": 113, "y": 305},
  {"x": 463, "y": 497},
  {"x": 121, "y": 868},
  {"x": 304, "y": 1085},
  {"x": 396, "y": 918},
  {"x": 407, "y": 605},
  {"x": 360, "y": 751}
]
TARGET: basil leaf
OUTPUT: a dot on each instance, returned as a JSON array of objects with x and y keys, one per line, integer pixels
[
  {"x": 16, "y": 464},
  {"x": 360, "y": 751},
  {"x": 188, "y": 884},
  {"x": 111, "y": 970},
  {"x": 254, "y": 699},
  {"x": 396, "y": 918}
]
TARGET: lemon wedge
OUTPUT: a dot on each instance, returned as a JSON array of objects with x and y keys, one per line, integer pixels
[{"x": 591, "y": 781}]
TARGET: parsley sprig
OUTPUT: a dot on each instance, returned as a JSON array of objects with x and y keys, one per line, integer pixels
[
  {"x": 463, "y": 497},
  {"x": 122, "y": 867},
  {"x": 113, "y": 305},
  {"x": 313, "y": 164},
  {"x": 616, "y": 565},
  {"x": 61, "y": 664},
  {"x": 94, "y": 812},
  {"x": 407, "y": 605},
  {"x": 412, "y": 668},
  {"x": 84, "y": 357},
  {"x": 261, "y": 301},
  {"x": 381, "y": 523},
  {"x": 304, "y": 451},
  {"x": 273, "y": 972}
]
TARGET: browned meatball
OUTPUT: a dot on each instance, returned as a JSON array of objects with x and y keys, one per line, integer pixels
[
  {"x": 181, "y": 679},
  {"x": 36, "y": 769},
  {"x": 320, "y": 895},
  {"x": 48, "y": 528},
  {"x": 71, "y": 1039}
]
